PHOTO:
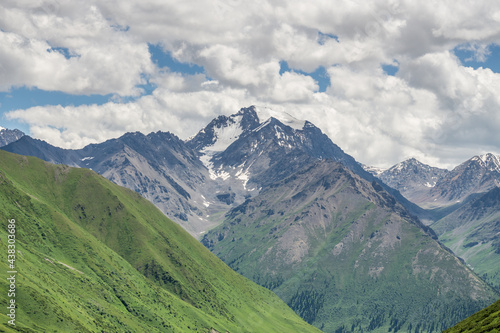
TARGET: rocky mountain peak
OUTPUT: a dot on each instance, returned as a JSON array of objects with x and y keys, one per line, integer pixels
[
  {"x": 222, "y": 131},
  {"x": 412, "y": 178},
  {"x": 488, "y": 161},
  {"x": 410, "y": 164},
  {"x": 8, "y": 136}
]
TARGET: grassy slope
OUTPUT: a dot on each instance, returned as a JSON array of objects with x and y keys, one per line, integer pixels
[
  {"x": 486, "y": 320},
  {"x": 344, "y": 263},
  {"x": 114, "y": 238}
]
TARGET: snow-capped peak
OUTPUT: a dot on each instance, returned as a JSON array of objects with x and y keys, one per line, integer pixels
[
  {"x": 1, "y": 128},
  {"x": 488, "y": 160},
  {"x": 264, "y": 113}
]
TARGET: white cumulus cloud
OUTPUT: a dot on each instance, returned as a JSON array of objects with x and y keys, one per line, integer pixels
[{"x": 434, "y": 108}]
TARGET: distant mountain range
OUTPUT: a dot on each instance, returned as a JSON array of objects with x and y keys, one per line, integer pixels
[
  {"x": 412, "y": 178},
  {"x": 465, "y": 206},
  {"x": 432, "y": 187},
  {"x": 96, "y": 257},
  {"x": 279, "y": 202}
]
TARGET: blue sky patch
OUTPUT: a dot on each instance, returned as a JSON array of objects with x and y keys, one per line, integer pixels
[
  {"x": 469, "y": 58},
  {"x": 24, "y": 98},
  {"x": 320, "y": 75},
  {"x": 64, "y": 51},
  {"x": 322, "y": 38},
  {"x": 164, "y": 59},
  {"x": 390, "y": 69}
]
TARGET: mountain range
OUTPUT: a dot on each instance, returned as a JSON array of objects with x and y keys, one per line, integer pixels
[
  {"x": 346, "y": 256},
  {"x": 412, "y": 178},
  {"x": 432, "y": 187},
  {"x": 473, "y": 233},
  {"x": 92, "y": 256},
  {"x": 196, "y": 181},
  {"x": 465, "y": 207},
  {"x": 283, "y": 205}
]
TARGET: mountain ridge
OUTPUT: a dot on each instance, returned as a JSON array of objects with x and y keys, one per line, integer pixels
[{"x": 195, "y": 182}]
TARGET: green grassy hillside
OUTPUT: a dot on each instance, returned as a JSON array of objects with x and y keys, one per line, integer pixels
[
  {"x": 95, "y": 257},
  {"x": 346, "y": 256},
  {"x": 486, "y": 320}
]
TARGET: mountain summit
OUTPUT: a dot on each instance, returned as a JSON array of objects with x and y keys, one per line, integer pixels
[
  {"x": 246, "y": 144},
  {"x": 412, "y": 178},
  {"x": 7, "y": 136}
]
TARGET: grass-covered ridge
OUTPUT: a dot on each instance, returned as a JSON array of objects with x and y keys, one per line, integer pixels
[{"x": 93, "y": 256}]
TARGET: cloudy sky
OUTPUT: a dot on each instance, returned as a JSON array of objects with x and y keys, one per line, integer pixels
[{"x": 386, "y": 80}]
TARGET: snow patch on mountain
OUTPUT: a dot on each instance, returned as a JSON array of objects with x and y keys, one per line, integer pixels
[
  {"x": 264, "y": 113},
  {"x": 1, "y": 128},
  {"x": 376, "y": 171},
  {"x": 212, "y": 172},
  {"x": 205, "y": 202},
  {"x": 244, "y": 176},
  {"x": 225, "y": 136}
]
